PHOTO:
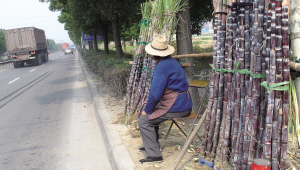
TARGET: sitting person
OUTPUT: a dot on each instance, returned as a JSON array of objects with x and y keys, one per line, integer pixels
[{"x": 168, "y": 98}]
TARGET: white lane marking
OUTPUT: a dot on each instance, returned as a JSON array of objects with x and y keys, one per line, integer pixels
[
  {"x": 32, "y": 70},
  {"x": 14, "y": 80}
]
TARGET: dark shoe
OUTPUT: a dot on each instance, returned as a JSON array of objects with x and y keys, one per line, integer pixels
[
  {"x": 142, "y": 149},
  {"x": 151, "y": 159}
]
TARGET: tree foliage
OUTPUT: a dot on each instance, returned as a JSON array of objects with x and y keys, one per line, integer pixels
[
  {"x": 2, "y": 42},
  {"x": 95, "y": 16},
  {"x": 201, "y": 12},
  {"x": 52, "y": 46}
]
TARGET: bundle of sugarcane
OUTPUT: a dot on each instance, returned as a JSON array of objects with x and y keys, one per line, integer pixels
[
  {"x": 252, "y": 112},
  {"x": 162, "y": 14},
  {"x": 223, "y": 137},
  {"x": 135, "y": 72},
  {"x": 142, "y": 84},
  {"x": 147, "y": 84},
  {"x": 164, "y": 23},
  {"x": 217, "y": 145},
  {"x": 215, "y": 97}
]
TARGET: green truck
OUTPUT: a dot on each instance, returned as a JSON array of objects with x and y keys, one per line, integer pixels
[{"x": 26, "y": 45}]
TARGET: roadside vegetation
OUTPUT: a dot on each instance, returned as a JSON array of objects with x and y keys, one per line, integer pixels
[
  {"x": 115, "y": 71},
  {"x": 52, "y": 46},
  {"x": 2, "y": 42}
]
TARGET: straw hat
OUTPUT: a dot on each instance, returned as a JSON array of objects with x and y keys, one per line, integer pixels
[{"x": 159, "y": 47}]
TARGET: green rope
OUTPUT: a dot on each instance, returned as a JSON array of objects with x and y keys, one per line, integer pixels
[
  {"x": 145, "y": 22},
  {"x": 146, "y": 68},
  {"x": 276, "y": 86},
  {"x": 138, "y": 55},
  {"x": 242, "y": 71},
  {"x": 139, "y": 43}
]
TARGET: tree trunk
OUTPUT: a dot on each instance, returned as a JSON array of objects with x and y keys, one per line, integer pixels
[
  {"x": 90, "y": 45},
  {"x": 184, "y": 46},
  {"x": 95, "y": 42},
  {"x": 103, "y": 27},
  {"x": 116, "y": 32},
  {"x": 124, "y": 45},
  {"x": 294, "y": 28}
]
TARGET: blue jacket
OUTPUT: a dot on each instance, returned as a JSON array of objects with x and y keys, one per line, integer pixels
[{"x": 169, "y": 74}]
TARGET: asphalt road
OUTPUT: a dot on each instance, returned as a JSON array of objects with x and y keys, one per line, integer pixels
[{"x": 47, "y": 120}]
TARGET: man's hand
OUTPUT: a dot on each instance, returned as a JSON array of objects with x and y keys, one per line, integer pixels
[
  {"x": 144, "y": 113},
  {"x": 144, "y": 104}
]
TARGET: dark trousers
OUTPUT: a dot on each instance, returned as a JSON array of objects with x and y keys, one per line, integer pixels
[{"x": 149, "y": 130}]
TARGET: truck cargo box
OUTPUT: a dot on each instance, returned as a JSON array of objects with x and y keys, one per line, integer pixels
[
  {"x": 22, "y": 40},
  {"x": 64, "y": 46}
]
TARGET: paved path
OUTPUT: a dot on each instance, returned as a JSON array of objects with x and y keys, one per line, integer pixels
[{"x": 47, "y": 120}]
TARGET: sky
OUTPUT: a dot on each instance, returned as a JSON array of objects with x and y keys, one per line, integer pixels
[{"x": 27, "y": 13}]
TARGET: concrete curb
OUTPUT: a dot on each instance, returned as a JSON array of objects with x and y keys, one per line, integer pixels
[{"x": 117, "y": 152}]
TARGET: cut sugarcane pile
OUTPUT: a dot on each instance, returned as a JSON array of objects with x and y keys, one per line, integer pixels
[
  {"x": 159, "y": 17},
  {"x": 249, "y": 100}
]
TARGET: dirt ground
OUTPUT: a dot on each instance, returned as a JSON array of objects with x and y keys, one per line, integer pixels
[{"x": 132, "y": 140}]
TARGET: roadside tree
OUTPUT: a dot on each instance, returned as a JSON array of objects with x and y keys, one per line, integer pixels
[{"x": 2, "y": 42}]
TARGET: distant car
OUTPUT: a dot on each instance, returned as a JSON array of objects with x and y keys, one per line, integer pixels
[
  {"x": 4, "y": 56},
  {"x": 68, "y": 51}
]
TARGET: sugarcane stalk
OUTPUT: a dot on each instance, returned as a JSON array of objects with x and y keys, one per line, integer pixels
[
  {"x": 235, "y": 122},
  {"x": 259, "y": 16},
  {"x": 132, "y": 79},
  {"x": 277, "y": 116},
  {"x": 222, "y": 87},
  {"x": 265, "y": 64},
  {"x": 225, "y": 146},
  {"x": 142, "y": 83},
  {"x": 272, "y": 72},
  {"x": 250, "y": 103},
  {"x": 286, "y": 71},
  {"x": 211, "y": 94},
  {"x": 216, "y": 89},
  {"x": 227, "y": 85}
]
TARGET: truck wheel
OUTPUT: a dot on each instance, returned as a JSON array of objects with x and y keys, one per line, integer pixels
[
  {"x": 16, "y": 64},
  {"x": 45, "y": 58},
  {"x": 40, "y": 59},
  {"x": 36, "y": 61}
]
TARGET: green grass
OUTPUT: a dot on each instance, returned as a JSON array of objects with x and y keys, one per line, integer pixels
[
  {"x": 207, "y": 34},
  {"x": 201, "y": 42},
  {"x": 207, "y": 38}
]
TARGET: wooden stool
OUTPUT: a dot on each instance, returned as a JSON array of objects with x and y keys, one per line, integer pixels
[
  {"x": 201, "y": 100},
  {"x": 191, "y": 116}
]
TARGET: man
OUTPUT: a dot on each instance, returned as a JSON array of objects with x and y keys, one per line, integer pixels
[{"x": 168, "y": 98}]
